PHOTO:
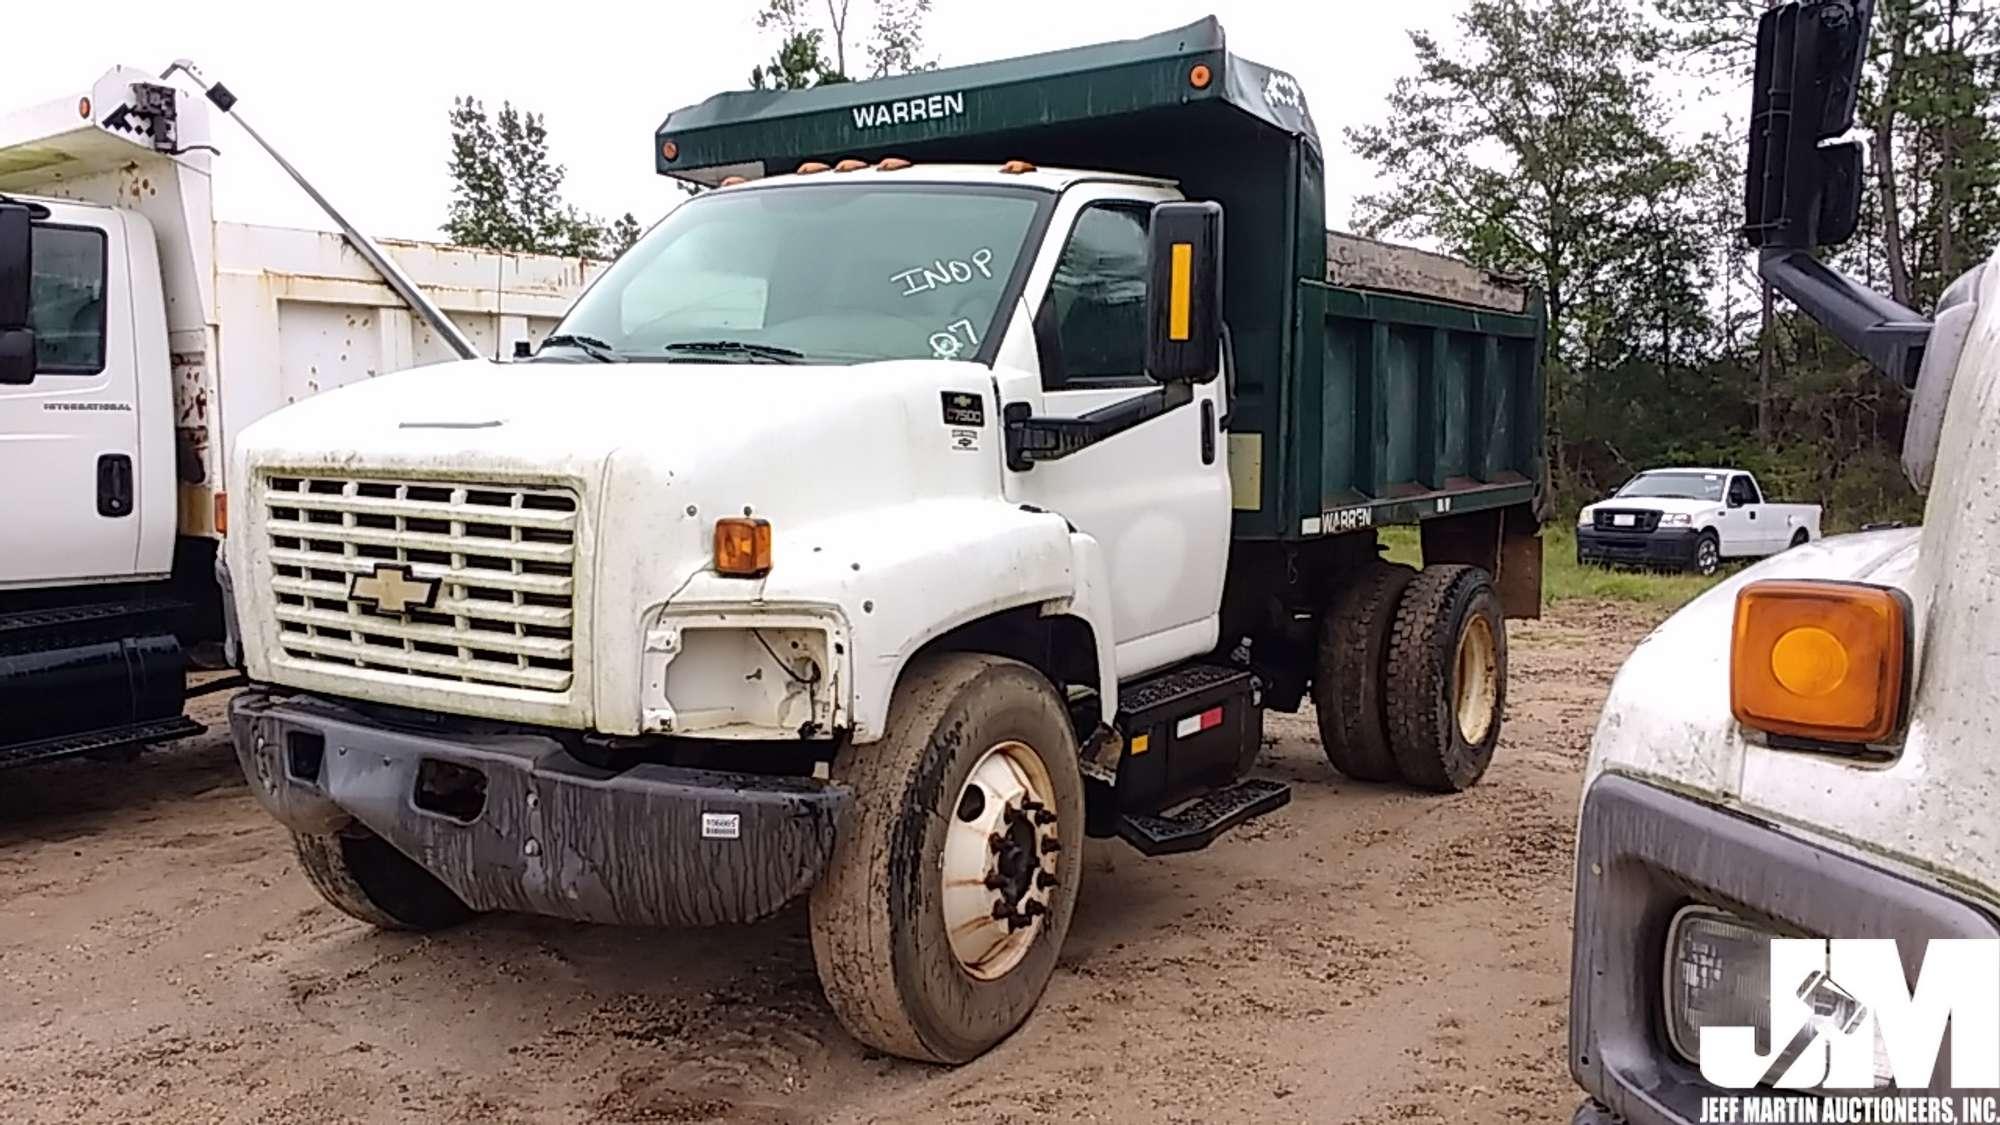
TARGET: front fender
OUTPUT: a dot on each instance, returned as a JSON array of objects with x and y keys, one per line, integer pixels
[{"x": 902, "y": 576}]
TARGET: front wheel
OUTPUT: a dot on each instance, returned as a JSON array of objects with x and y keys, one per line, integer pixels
[
  {"x": 937, "y": 923},
  {"x": 364, "y": 877},
  {"x": 1707, "y": 554}
]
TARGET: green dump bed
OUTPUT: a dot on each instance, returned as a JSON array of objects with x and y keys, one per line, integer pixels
[{"x": 1375, "y": 384}]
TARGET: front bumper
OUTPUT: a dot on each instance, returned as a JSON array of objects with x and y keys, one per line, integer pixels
[
  {"x": 509, "y": 820},
  {"x": 1642, "y": 854},
  {"x": 1662, "y": 547}
]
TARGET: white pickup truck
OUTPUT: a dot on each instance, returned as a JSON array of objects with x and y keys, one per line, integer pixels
[
  {"x": 1691, "y": 519},
  {"x": 150, "y": 337},
  {"x": 1805, "y": 752}
]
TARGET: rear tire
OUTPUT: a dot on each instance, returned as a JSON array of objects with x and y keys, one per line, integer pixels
[
  {"x": 1447, "y": 677},
  {"x": 1350, "y": 676},
  {"x": 369, "y": 880},
  {"x": 897, "y": 974},
  {"x": 1799, "y": 538}
]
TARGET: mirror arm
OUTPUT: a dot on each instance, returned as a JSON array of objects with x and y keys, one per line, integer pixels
[
  {"x": 1031, "y": 439},
  {"x": 1885, "y": 333}
]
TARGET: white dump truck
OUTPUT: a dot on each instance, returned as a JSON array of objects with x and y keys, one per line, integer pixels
[
  {"x": 142, "y": 337},
  {"x": 1787, "y": 883},
  {"x": 913, "y": 504}
]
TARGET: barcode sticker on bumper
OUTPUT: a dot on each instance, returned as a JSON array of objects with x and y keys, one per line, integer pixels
[{"x": 721, "y": 825}]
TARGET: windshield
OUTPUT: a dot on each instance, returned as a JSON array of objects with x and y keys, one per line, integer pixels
[
  {"x": 817, "y": 273},
  {"x": 1675, "y": 486}
]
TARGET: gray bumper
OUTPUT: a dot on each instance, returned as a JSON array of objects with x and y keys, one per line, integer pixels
[
  {"x": 1642, "y": 854},
  {"x": 509, "y": 820}
]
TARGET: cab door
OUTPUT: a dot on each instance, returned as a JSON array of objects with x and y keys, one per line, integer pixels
[
  {"x": 1156, "y": 496},
  {"x": 69, "y": 436}
]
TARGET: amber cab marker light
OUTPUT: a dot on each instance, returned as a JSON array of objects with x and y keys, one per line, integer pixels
[
  {"x": 850, "y": 165},
  {"x": 743, "y": 547},
  {"x": 812, "y": 166},
  {"x": 670, "y": 150},
  {"x": 83, "y": 108},
  {"x": 1823, "y": 661},
  {"x": 892, "y": 164},
  {"x": 1200, "y": 76},
  {"x": 1016, "y": 167},
  {"x": 222, "y": 513}
]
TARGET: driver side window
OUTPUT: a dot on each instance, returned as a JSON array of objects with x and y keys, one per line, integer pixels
[
  {"x": 1741, "y": 492},
  {"x": 1092, "y": 325}
]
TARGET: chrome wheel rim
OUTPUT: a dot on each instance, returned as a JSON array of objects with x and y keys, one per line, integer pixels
[
  {"x": 1705, "y": 557},
  {"x": 1477, "y": 664},
  {"x": 998, "y": 869}
]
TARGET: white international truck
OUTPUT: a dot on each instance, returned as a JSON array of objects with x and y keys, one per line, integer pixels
[
  {"x": 145, "y": 336},
  {"x": 1806, "y": 750},
  {"x": 1691, "y": 519},
  {"x": 915, "y": 503}
]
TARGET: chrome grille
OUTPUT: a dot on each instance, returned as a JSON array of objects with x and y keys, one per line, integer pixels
[{"x": 505, "y": 553}]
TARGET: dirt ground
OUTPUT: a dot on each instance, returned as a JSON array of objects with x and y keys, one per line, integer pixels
[{"x": 1364, "y": 955}]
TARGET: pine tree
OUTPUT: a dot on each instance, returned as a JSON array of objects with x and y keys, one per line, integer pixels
[{"x": 507, "y": 189}]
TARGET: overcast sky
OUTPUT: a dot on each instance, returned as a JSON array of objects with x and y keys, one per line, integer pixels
[{"x": 356, "y": 93}]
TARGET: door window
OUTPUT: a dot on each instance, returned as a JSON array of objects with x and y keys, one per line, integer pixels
[
  {"x": 1095, "y": 314},
  {"x": 66, "y": 300},
  {"x": 1741, "y": 492}
]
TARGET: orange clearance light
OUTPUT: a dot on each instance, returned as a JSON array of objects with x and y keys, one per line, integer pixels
[
  {"x": 1819, "y": 660},
  {"x": 732, "y": 181},
  {"x": 1200, "y": 76},
  {"x": 892, "y": 164},
  {"x": 222, "y": 513},
  {"x": 743, "y": 547},
  {"x": 811, "y": 166},
  {"x": 83, "y": 108},
  {"x": 1017, "y": 167},
  {"x": 670, "y": 150},
  {"x": 850, "y": 165}
]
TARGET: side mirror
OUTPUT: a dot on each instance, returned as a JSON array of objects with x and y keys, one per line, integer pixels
[
  {"x": 1801, "y": 191},
  {"x": 524, "y": 349},
  {"x": 1184, "y": 293},
  {"x": 17, "y": 340}
]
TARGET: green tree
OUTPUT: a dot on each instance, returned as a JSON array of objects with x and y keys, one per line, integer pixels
[
  {"x": 813, "y": 41},
  {"x": 623, "y": 233},
  {"x": 507, "y": 189}
]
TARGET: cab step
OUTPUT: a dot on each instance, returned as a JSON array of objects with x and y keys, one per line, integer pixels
[
  {"x": 1197, "y": 825},
  {"x": 92, "y": 741}
]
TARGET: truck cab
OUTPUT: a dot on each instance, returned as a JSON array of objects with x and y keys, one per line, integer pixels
[{"x": 962, "y": 473}]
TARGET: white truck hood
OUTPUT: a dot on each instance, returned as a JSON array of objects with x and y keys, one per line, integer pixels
[{"x": 1654, "y": 504}]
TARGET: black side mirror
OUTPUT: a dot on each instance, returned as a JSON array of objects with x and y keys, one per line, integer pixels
[
  {"x": 1184, "y": 293},
  {"x": 1800, "y": 192},
  {"x": 523, "y": 349},
  {"x": 17, "y": 340}
]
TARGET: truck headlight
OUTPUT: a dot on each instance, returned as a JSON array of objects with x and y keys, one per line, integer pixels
[
  {"x": 1676, "y": 519},
  {"x": 1718, "y": 974},
  {"x": 1583, "y": 519}
]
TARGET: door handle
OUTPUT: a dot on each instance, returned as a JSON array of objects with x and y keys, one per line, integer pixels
[
  {"x": 1207, "y": 432},
  {"x": 114, "y": 485}
]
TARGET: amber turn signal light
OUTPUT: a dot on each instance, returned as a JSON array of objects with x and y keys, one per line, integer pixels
[
  {"x": 743, "y": 547},
  {"x": 1819, "y": 660}
]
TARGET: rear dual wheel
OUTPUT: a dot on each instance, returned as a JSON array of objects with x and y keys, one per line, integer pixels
[{"x": 1412, "y": 676}]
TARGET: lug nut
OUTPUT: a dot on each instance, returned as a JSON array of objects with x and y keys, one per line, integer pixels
[
  {"x": 1043, "y": 816},
  {"x": 1033, "y": 907},
  {"x": 1045, "y": 881},
  {"x": 1032, "y": 805},
  {"x": 996, "y": 841},
  {"x": 1003, "y": 909},
  {"x": 996, "y": 882},
  {"x": 1016, "y": 922},
  {"x": 1051, "y": 846}
]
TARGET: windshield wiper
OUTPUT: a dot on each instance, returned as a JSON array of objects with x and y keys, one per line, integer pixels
[
  {"x": 588, "y": 345},
  {"x": 769, "y": 353}
]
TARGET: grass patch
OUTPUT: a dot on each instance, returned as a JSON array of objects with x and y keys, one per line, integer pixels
[{"x": 1563, "y": 579}]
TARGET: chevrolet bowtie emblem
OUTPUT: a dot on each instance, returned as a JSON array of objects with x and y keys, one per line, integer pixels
[{"x": 391, "y": 589}]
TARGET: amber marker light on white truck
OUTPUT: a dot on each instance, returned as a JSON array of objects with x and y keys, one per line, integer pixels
[
  {"x": 1823, "y": 661},
  {"x": 743, "y": 547}
]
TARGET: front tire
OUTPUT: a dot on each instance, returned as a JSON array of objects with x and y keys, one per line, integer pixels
[
  {"x": 1707, "y": 554},
  {"x": 1448, "y": 678},
  {"x": 364, "y": 877},
  {"x": 937, "y": 923}
]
